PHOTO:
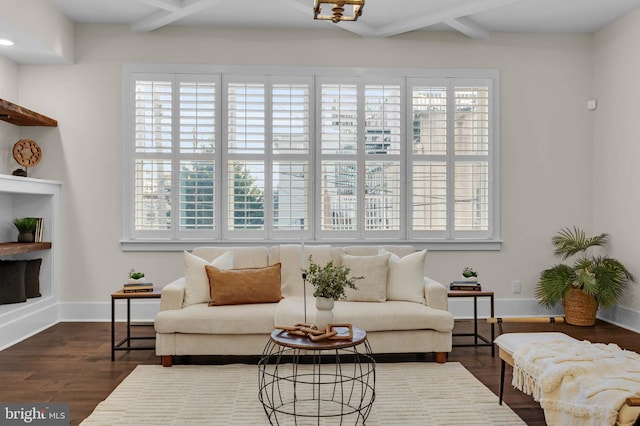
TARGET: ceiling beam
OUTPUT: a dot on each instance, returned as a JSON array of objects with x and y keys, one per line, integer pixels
[
  {"x": 164, "y": 17},
  {"x": 467, "y": 27},
  {"x": 431, "y": 18},
  {"x": 168, "y": 5}
]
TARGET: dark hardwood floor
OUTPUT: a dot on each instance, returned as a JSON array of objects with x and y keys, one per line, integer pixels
[{"x": 71, "y": 362}]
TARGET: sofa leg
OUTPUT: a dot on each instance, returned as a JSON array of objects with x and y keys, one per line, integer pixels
[
  {"x": 167, "y": 360},
  {"x": 441, "y": 357}
]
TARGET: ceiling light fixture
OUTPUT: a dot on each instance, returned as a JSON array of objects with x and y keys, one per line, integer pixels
[
  {"x": 5, "y": 42},
  {"x": 338, "y": 10}
]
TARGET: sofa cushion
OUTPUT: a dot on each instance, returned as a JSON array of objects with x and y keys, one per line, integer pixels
[
  {"x": 405, "y": 280},
  {"x": 290, "y": 310},
  {"x": 291, "y": 258},
  {"x": 228, "y": 319},
  {"x": 244, "y": 286},
  {"x": 392, "y": 315},
  {"x": 196, "y": 285},
  {"x": 373, "y": 269},
  {"x": 369, "y": 316}
]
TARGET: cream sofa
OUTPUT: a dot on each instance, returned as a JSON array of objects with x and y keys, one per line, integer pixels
[{"x": 413, "y": 318}]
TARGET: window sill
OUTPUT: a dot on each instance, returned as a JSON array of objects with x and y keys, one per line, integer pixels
[{"x": 151, "y": 245}]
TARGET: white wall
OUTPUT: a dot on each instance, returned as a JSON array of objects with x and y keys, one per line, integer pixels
[
  {"x": 616, "y": 171},
  {"x": 8, "y": 132},
  {"x": 546, "y": 138}
]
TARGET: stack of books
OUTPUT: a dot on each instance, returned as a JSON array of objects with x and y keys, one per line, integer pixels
[
  {"x": 138, "y": 287},
  {"x": 465, "y": 285},
  {"x": 37, "y": 234}
]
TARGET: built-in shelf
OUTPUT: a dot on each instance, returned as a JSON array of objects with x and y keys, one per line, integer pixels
[
  {"x": 29, "y": 197},
  {"x": 7, "y": 249},
  {"x": 20, "y": 116}
]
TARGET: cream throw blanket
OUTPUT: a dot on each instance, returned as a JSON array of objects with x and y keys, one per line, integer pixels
[{"x": 577, "y": 383}]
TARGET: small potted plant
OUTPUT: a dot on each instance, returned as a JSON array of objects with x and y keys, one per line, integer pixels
[
  {"x": 330, "y": 283},
  {"x": 135, "y": 277},
  {"x": 469, "y": 274},
  {"x": 26, "y": 226}
]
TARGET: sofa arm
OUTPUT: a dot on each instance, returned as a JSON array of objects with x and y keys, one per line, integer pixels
[
  {"x": 172, "y": 295},
  {"x": 435, "y": 294}
]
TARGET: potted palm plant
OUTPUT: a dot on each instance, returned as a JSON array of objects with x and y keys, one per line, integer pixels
[
  {"x": 330, "y": 283},
  {"x": 591, "y": 281}
]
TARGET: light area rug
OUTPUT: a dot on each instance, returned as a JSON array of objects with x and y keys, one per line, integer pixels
[{"x": 406, "y": 394}]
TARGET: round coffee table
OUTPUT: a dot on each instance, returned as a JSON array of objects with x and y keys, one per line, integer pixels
[{"x": 310, "y": 381}]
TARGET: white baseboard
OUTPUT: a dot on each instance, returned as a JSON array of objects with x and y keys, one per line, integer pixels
[
  {"x": 462, "y": 308},
  {"x": 26, "y": 322},
  {"x": 622, "y": 317},
  {"x": 141, "y": 311}
]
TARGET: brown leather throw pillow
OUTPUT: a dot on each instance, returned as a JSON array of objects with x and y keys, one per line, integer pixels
[{"x": 244, "y": 286}]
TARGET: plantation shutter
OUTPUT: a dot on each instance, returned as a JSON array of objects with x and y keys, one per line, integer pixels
[{"x": 291, "y": 153}]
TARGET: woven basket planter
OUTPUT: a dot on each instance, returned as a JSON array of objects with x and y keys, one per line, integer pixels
[{"x": 580, "y": 308}]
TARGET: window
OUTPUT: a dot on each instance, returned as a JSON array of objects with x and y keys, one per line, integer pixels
[
  {"x": 360, "y": 153},
  {"x": 214, "y": 154},
  {"x": 450, "y": 161}
]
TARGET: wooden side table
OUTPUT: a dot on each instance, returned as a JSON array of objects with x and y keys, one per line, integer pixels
[
  {"x": 476, "y": 336},
  {"x": 120, "y": 294}
]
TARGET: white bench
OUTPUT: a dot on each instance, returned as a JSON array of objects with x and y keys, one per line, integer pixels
[{"x": 508, "y": 343}]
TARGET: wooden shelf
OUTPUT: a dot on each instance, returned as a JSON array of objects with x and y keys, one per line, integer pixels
[
  {"x": 7, "y": 249},
  {"x": 20, "y": 116}
]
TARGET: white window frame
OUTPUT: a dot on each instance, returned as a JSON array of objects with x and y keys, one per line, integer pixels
[{"x": 145, "y": 241}]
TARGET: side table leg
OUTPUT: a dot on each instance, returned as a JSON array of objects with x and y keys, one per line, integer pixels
[
  {"x": 475, "y": 319},
  {"x": 128, "y": 322},
  {"x": 493, "y": 337},
  {"x": 502, "y": 367},
  {"x": 113, "y": 332}
]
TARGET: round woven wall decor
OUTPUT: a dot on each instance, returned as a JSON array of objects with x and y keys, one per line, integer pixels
[{"x": 27, "y": 152}]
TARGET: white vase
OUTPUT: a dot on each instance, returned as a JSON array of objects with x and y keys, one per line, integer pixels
[
  {"x": 135, "y": 280},
  {"x": 324, "y": 312}
]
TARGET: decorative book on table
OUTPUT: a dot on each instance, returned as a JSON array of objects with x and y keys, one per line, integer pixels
[
  {"x": 465, "y": 285},
  {"x": 137, "y": 287}
]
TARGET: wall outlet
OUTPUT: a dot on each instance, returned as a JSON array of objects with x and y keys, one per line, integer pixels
[{"x": 516, "y": 287}]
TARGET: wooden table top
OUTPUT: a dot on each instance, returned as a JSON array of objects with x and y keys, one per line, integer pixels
[
  {"x": 283, "y": 338},
  {"x": 469, "y": 293},
  {"x": 120, "y": 294}
]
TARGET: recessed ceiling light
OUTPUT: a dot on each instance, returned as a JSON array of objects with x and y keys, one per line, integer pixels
[{"x": 5, "y": 42}]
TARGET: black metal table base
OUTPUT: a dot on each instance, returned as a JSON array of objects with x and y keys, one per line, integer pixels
[
  {"x": 476, "y": 335},
  {"x": 336, "y": 387},
  {"x": 125, "y": 343}
]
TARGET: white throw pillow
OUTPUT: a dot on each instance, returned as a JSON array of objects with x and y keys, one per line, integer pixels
[
  {"x": 292, "y": 265},
  {"x": 373, "y": 287},
  {"x": 406, "y": 276},
  {"x": 196, "y": 282}
]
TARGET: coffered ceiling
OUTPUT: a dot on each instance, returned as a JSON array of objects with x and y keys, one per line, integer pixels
[{"x": 381, "y": 18}]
